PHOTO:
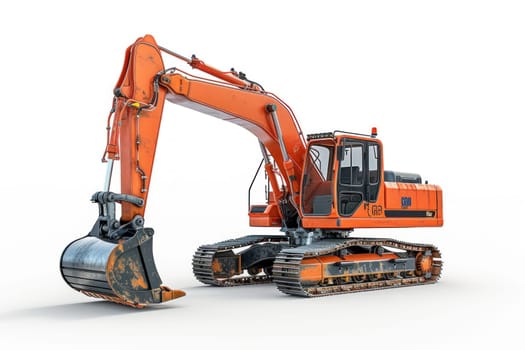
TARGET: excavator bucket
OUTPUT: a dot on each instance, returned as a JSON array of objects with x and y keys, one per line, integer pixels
[{"x": 122, "y": 271}]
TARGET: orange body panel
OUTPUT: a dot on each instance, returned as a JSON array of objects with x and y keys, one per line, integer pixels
[
  {"x": 425, "y": 198},
  {"x": 270, "y": 217}
]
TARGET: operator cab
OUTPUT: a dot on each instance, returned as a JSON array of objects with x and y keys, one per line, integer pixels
[{"x": 342, "y": 171}]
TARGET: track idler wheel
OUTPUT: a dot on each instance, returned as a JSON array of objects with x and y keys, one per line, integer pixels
[
  {"x": 424, "y": 262},
  {"x": 121, "y": 271}
]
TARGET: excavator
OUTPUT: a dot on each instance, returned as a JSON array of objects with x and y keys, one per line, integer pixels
[{"x": 321, "y": 187}]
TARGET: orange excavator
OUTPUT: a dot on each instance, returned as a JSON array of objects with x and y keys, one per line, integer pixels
[{"x": 321, "y": 188}]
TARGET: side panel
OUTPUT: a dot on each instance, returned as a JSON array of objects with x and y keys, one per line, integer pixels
[
  {"x": 408, "y": 196},
  {"x": 398, "y": 205}
]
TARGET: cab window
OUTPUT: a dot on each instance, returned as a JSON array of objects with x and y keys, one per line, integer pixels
[
  {"x": 352, "y": 165},
  {"x": 317, "y": 181}
]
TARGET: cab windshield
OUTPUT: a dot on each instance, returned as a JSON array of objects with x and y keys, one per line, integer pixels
[{"x": 317, "y": 182}]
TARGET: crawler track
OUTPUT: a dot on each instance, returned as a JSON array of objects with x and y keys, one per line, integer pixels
[
  {"x": 286, "y": 270},
  {"x": 204, "y": 257},
  {"x": 287, "y": 267}
]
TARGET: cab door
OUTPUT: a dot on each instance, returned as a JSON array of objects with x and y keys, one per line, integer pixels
[{"x": 358, "y": 174}]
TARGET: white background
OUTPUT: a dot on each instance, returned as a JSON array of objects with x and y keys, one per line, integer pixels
[{"x": 444, "y": 82}]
